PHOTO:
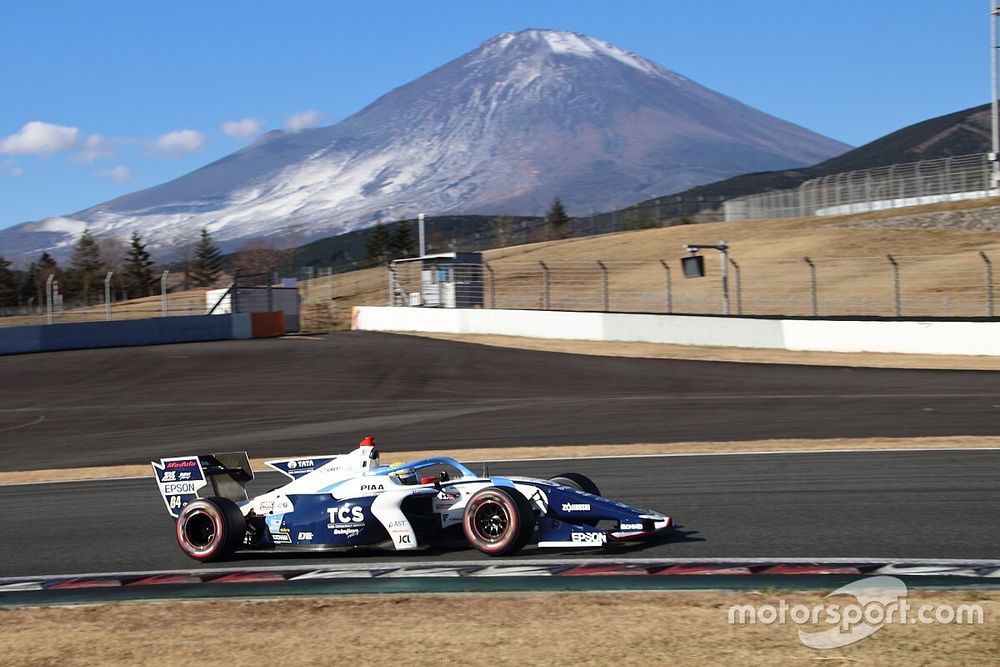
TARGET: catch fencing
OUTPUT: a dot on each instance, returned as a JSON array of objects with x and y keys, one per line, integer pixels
[
  {"x": 958, "y": 285},
  {"x": 926, "y": 182}
]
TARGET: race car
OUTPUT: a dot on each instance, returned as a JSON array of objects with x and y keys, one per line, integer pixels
[{"x": 352, "y": 501}]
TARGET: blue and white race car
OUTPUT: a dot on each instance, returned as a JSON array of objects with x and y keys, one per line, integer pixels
[{"x": 350, "y": 501}]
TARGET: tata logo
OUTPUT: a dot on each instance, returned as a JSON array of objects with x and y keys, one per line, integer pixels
[
  {"x": 373, "y": 487},
  {"x": 576, "y": 507},
  {"x": 346, "y": 514},
  {"x": 304, "y": 463},
  {"x": 183, "y": 464}
]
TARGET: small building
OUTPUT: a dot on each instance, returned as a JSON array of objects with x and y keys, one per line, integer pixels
[{"x": 446, "y": 280}]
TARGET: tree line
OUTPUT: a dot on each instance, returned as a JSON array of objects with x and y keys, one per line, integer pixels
[
  {"x": 135, "y": 273},
  {"x": 382, "y": 246}
]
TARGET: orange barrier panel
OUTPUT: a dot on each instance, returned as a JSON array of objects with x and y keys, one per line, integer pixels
[{"x": 267, "y": 325}]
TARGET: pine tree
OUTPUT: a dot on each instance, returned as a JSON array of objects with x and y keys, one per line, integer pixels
[
  {"x": 138, "y": 267},
  {"x": 401, "y": 244},
  {"x": 206, "y": 267},
  {"x": 38, "y": 274},
  {"x": 85, "y": 267},
  {"x": 8, "y": 285},
  {"x": 377, "y": 243},
  {"x": 556, "y": 220}
]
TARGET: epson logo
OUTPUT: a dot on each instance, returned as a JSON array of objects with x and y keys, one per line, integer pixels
[
  {"x": 589, "y": 538},
  {"x": 576, "y": 507},
  {"x": 178, "y": 487}
]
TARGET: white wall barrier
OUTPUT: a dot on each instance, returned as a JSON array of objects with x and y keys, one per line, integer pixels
[{"x": 909, "y": 337}]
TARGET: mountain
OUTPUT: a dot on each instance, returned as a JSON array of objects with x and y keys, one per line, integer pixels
[
  {"x": 504, "y": 129},
  {"x": 960, "y": 133}
]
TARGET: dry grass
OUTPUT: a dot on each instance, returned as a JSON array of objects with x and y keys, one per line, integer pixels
[
  {"x": 654, "y": 628},
  {"x": 942, "y": 271},
  {"x": 566, "y": 451},
  {"x": 731, "y": 354}
]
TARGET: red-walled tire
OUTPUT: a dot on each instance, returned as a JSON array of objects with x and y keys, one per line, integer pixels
[
  {"x": 498, "y": 521},
  {"x": 210, "y": 529}
]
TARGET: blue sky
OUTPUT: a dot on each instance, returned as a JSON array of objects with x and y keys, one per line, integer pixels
[{"x": 101, "y": 98}]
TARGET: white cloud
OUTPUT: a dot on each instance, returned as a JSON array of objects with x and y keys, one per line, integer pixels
[
  {"x": 95, "y": 147},
  {"x": 243, "y": 128},
  {"x": 118, "y": 173},
  {"x": 303, "y": 120},
  {"x": 38, "y": 138},
  {"x": 11, "y": 168},
  {"x": 178, "y": 142}
]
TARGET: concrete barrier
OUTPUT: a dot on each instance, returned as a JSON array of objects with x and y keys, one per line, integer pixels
[
  {"x": 125, "y": 333},
  {"x": 978, "y": 337}
]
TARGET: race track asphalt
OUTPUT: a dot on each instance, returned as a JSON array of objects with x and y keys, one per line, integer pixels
[
  {"x": 898, "y": 504},
  {"x": 306, "y": 395}
]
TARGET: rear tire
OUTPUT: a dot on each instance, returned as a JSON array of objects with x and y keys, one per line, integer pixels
[
  {"x": 498, "y": 521},
  {"x": 210, "y": 529},
  {"x": 575, "y": 480}
]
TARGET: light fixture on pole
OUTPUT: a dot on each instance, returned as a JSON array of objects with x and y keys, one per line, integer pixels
[{"x": 694, "y": 266}]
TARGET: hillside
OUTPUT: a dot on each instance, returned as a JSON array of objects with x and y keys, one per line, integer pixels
[
  {"x": 937, "y": 247},
  {"x": 960, "y": 133}
]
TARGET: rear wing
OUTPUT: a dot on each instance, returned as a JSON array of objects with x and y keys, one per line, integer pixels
[{"x": 181, "y": 479}]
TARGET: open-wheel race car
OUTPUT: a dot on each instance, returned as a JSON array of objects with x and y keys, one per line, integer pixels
[{"x": 350, "y": 501}]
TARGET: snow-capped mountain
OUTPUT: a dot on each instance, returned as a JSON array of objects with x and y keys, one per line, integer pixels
[{"x": 504, "y": 129}]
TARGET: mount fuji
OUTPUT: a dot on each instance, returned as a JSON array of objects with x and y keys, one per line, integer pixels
[{"x": 504, "y": 129}]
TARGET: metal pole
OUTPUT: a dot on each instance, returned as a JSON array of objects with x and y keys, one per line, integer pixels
[
  {"x": 994, "y": 119},
  {"x": 545, "y": 285},
  {"x": 724, "y": 249},
  {"x": 393, "y": 283},
  {"x": 49, "y": 293},
  {"x": 812, "y": 286},
  {"x": 666, "y": 270},
  {"x": 895, "y": 285},
  {"x": 163, "y": 293},
  {"x": 107, "y": 296},
  {"x": 493, "y": 285},
  {"x": 420, "y": 233},
  {"x": 989, "y": 283},
  {"x": 739, "y": 288},
  {"x": 604, "y": 283}
]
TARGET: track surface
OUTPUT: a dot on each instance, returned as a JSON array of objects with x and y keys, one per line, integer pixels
[
  {"x": 860, "y": 504},
  {"x": 311, "y": 396}
]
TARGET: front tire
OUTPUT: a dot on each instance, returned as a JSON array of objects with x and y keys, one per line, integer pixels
[
  {"x": 575, "y": 480},
  {"x": 498, "y": 521},
  {"x": 210, "y": 529}
]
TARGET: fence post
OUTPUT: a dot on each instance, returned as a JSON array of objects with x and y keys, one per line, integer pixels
[
  {"x": 163, "y": 293},
  {"x": 492, "y": 284},
  {"x": 49, "y": 295},
  {"x": 545, "y": 285},
  {"x": 895, "y": 285},
  {"x": 666, "y": 270},
  {"x": 604, "y": 284},
  {"x": 812, "y": 285},
  {"x": 107, "y": 296},
  {"x": 739, "y": 288},
  {"x": 989, "y": 283}
]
